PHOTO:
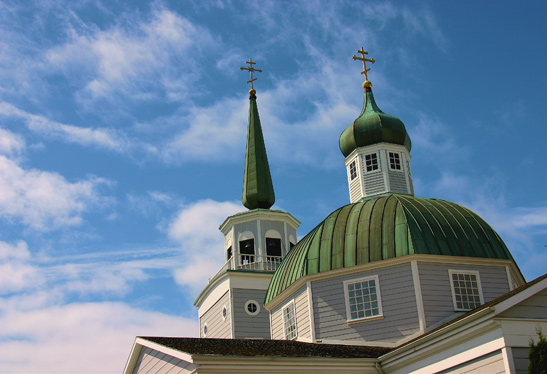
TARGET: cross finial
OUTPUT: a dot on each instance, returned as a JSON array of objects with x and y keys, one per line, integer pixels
[
  {"x": 251, "y": 69},
  {"x": 365, "y": 70}
]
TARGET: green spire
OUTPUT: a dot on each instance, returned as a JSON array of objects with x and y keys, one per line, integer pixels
[{"x": 258, "y": 189}]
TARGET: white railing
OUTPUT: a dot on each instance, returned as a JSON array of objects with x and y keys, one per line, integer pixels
[
  {"x": 257, "y": 262},
  {"x": 251, "y": 262}
]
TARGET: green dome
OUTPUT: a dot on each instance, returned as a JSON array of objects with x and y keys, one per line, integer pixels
[
  {"x": 373, "y": 126},
  {"x": 387, "y": 226}
]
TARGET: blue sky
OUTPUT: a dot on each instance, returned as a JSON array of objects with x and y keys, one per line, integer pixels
[{"x": 122, "y": 143}]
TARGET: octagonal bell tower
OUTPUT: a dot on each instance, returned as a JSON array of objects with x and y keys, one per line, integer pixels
[{"x": 255, "y": 242}]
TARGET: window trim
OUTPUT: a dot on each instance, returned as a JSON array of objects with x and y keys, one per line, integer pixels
[
  {"x": 204, "y": 330},
  {"x": 224, "y": 308},
  {"x": 353, "y": 172},
  {"x": 479, "y": 285},
  {"x": 378, "y": 163},
  {"x": 287, "y": 306},
  {"x": 257, "y": 307},
  {"x": 378, "y": 294},
  {"x": 401, "y": 161}
]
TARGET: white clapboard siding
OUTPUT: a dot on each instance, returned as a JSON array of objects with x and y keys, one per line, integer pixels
[
  {"x": 491, "y": 363},
  {"x": 217, "y": 326},
  {"x": 397, "y": 182},
  {"x": 520, "y": 359},
  {"x": 152, "y": 361},
  {"x": 437, "y": 294},
  {"x": 533, "y": 307},
  {"x": 400, "y": 313},
  {"x": 245, "y": 325},
  {"x": 301, "y": 305}
]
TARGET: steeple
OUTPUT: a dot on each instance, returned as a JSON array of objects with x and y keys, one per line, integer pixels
[
  {"x": 258, "y": 189},
  {"x": 377, "y": 149}
]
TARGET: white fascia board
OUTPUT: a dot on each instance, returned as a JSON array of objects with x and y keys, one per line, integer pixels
[
  {"x": 133, "y": 357},
  {"x": 518, "y": 331},
  {"x": 163, "y": 349},
  {"x": 273, "y": 364},
  {"x": 212, "y": 293},
  {"x": 381, "y": 264},
  {"x": 254, "y": 215},
  {"x": 460, "y": 331},
  {"x": 521, "y": 296},
  {"x": 438, "y": 353},
  {"x": 451, "y": 359}
]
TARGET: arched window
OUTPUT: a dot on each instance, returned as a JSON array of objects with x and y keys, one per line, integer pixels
[
  {"x": 247, "y": 247},
  {"x": 273, "y": 244}
]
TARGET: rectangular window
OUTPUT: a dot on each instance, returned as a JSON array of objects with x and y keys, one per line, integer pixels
[
  {"x": 289, "y": 321},
  {"x": 466, "y": 289},
  {"x": 352, "y": 171},
  {"x": 363, "y": 298},
  {"x": 394, "y": 161},
  {"x": 371, "y": 162}
]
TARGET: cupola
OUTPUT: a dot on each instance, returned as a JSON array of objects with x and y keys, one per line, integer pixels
[{"x": 377, "y": 149}]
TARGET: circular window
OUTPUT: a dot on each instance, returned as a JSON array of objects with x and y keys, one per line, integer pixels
[
  {"x": 252, "y": 308},
  {"x": 224, "y": 312},
  {"x": 205, "y": 331}
]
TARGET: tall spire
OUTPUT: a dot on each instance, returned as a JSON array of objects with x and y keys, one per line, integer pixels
[{"x": 258, "y": 189}]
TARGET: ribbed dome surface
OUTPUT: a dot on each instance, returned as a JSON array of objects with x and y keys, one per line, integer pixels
[
  {"x": 384, "y": 227},
  {"x": 373, "y": 126}
]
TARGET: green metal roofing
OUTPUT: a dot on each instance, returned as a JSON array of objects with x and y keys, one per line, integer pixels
[
  {"x": 373, "y": 126},
  {"x": 384, "y": 227},
  {"x": 258, "y": 189}
]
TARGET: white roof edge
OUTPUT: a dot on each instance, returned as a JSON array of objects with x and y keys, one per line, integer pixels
[
  {"x": 251, "y": 215},
  {"x": 167, "y": 350},
  {"x": 513, "y": 300}
]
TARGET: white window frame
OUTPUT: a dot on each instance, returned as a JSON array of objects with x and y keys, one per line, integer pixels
[
  {"x": 292, "y": 305},
  {"x": 354, "y": 164},
  {"x": 257, "y": 307},
  {"x": 224, "y": 308},
  {"x": 378, "y": 163},
  {"x": 401, "y": 161},
  {"x": 205, "y": 330},
  {"x": 471, "y": 272},
  {"x": 378, "y": 295}
]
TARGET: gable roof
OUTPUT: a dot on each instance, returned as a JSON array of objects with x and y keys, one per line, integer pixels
[{"x": 272, "y": 348}]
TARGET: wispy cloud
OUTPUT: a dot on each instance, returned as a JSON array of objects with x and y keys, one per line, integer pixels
[
  {"x": 11, "y": 143},
  {"x": 142, "y": 59},
  {"x": 44, "y": 200},
  {"x": 103, "y": 138}
]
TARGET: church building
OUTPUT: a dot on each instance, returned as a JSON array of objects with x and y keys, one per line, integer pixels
[{"x": 390, "y": 283}]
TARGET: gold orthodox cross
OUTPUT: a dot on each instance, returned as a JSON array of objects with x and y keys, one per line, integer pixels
[
  {"x": 362, "y": 58},
  {"x": 251, "y": 69}
]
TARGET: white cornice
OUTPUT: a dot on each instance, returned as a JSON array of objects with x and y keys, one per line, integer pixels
[
  {"x": 258, "y": 214},
  {"x": 377, "y": 147}
]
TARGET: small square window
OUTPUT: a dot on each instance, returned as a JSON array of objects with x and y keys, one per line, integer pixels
[
  {"x": 371, "y": 162},
  {"x": 352, "y": 171},
  {"x": 289, "y": 321},
  {"x": 363, "y": 298},
  {"x": 466, "y": 289},
  {"x": 394, "y": 161}
]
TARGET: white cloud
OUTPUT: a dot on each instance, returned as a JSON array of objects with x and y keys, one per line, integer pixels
[
  {"x": 196, "y": 229},
  {"x": 96, "y": 337},
  {"x": 104, "y": 138},
  {"x": 10, "y": 143},
  {"x": 142, "y": 60},
  {"x": 16, "y": 274},
  {"x": 44, "y": 200}
]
